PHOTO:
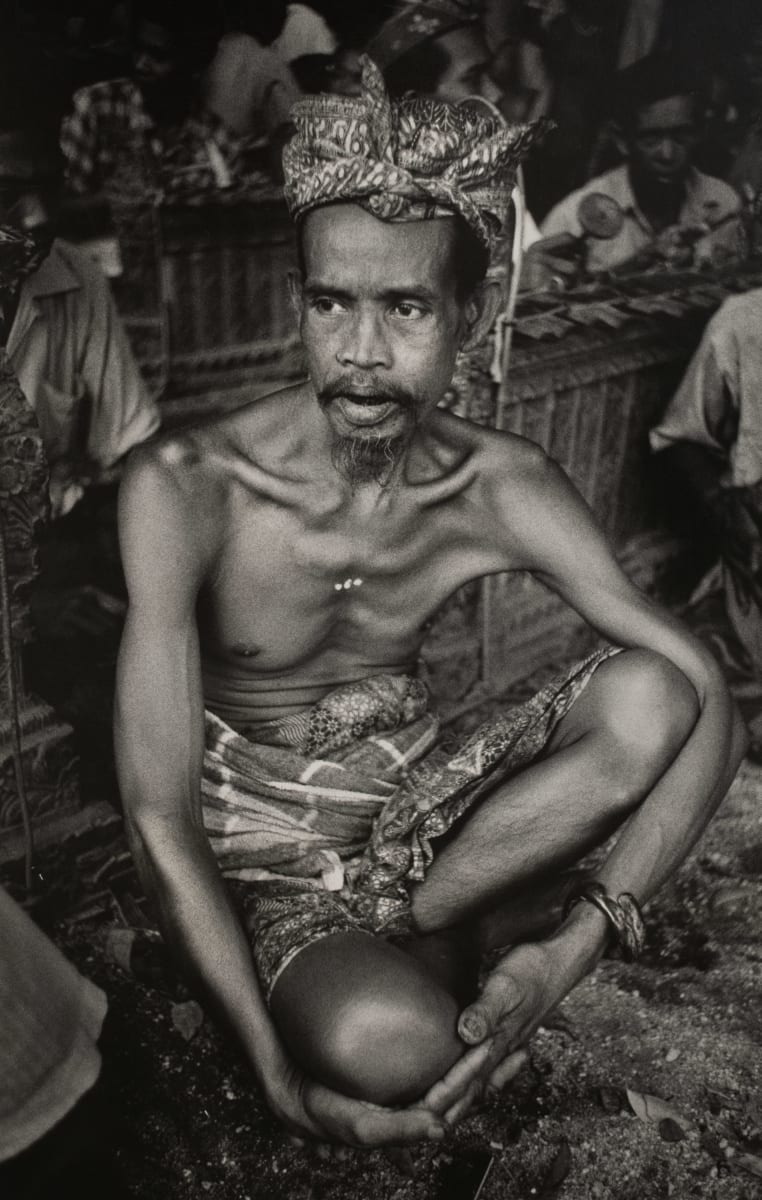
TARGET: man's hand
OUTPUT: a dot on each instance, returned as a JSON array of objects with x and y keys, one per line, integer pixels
[
  {"x": 552, "y": 264},
  {"x": 310, "y": 1110},
  {"x": 522, "y": 989}
]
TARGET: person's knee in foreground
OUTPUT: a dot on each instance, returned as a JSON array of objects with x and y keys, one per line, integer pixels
[{"x": 270, "y": 728}]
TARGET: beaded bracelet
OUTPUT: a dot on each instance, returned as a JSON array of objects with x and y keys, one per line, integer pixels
[{"x": 622, "y": 913}]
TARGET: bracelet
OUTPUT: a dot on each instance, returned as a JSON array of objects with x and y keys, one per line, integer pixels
[{"x": 622, "y": 913}]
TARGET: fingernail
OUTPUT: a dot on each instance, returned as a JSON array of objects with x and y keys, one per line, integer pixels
[{"x": 472, "y": 1028}]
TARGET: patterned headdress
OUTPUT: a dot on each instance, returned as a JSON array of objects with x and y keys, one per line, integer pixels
[
  {"x": 405, "y": 160},
  {"x": 417, "y": 21}
]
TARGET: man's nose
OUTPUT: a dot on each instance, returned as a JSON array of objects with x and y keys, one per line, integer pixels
[
  {"x": 666, "y": 150},
  {"x": 365, "y": 344}
]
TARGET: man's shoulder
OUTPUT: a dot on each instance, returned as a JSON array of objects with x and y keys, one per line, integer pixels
[
  {"x": 205, "y": 460},
  {"x": 503, "y": 459}
]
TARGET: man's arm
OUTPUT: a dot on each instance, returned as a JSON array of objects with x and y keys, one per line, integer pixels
[
  {"x": 169, "y": 538},
  {"x": 564, "y": 548}
]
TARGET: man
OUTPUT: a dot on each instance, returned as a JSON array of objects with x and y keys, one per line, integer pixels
[
  {"x": 437, "y": 47},
  {"x": 311, "y": 536},
  {"x": 145, "y": 132},
  {"x": 248, "y": 85},
  {"x": 61, "y": 329},
  {"x": 667, "y": 204},
  {"x": 710, "y": 449}
]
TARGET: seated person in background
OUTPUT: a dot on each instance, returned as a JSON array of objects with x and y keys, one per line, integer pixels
[
  {"x": 710, "y": 446},
  {"x": 312, "y": 535},
  {"x": 62, "y": 332},
  {"x": 148, "y": 132},
  {"x": 65, "y": 341},
  {"x": 309, "y": 45},
  {"x": 248, "y": 86},
  {"x": 437, "y": 48},
  {"x": 667, "y": 204}
]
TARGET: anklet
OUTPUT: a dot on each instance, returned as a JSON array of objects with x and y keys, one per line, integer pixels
[{"x": 622, "y": 913}]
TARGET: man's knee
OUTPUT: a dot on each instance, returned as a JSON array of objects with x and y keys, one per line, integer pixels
[
  {"x": 390, "y": 1049},
  {"x": 367, "y": 1019},
  {"x": 650, "y": 708}
]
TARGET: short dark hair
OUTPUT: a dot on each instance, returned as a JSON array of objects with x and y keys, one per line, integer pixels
[
  {"x": 649, "y": 80},
  {"x": 470, "y": 258},
  {"x": 418, "y": 70}
]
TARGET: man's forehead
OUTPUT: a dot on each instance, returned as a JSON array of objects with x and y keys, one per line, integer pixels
[
  {"x": 343, "y": 238},
  {"x": 672, "y": 112}
]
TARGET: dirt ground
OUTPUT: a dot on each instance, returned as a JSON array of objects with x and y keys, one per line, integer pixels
[{"x": 645, "y": 1085}]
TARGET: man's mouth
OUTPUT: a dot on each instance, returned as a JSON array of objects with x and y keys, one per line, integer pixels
[{"x": 365, "y": 410}]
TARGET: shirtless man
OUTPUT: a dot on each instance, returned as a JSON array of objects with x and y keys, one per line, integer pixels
[{"x": 282, "y": 563}]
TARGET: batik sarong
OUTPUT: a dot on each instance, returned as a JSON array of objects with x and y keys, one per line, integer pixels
[{"x": 330, "y": 816}]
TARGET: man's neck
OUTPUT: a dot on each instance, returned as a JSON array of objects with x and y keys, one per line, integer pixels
[{"x": 660, "y": 203}]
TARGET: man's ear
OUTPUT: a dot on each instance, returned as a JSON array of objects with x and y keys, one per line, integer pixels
[
  {"x": 295, "y": 292},
  {"x": 480, "y": 312},
  {"x": 619, "y": 138}
]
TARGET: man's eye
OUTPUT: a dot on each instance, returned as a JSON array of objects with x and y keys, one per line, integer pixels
[
  {"x": 408, "y": 311},
  {"x": 327, "y": 306}
]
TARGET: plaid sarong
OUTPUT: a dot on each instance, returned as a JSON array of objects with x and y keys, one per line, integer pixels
[{"x": 329, "y": 816}]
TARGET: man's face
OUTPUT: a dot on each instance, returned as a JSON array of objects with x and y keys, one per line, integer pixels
[
  {"x": 381, "y": 326},
  {"x": 662, "y": 142},
  {"x": 467, "y": 71},
  {"x": 153, "y": 56}
]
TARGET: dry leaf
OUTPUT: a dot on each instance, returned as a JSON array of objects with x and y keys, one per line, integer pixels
[
  {"x": 670, "y": 1131},
  {"x": 187, "y": 1018},
  {"x": 558, "y": 1171},
  {"x": 652, "y": 1110},
  {"x": 119, "y": 943},
  {"x": 749, "y": 1162}
]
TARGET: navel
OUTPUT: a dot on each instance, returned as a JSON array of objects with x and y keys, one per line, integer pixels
[{"x": 242, "y": 650}]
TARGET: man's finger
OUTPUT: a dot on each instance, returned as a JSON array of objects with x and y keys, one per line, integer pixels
[
  {"x": 463, "y": 1106},
  {"x": 507, "y": 1070},
  {"x": 385, "y": 1127},
  {"x": 481, "y": 1019},
  {"x": 446, "y": 1091}
]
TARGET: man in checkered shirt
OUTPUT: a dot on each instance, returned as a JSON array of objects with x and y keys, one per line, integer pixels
[{"x": 142, "y": 132}]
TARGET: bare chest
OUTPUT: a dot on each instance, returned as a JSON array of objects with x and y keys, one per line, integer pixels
[{"x": 290, "y": 592}]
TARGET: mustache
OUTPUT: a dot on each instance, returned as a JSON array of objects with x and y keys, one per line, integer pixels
[{"x": 367, "y": 392}]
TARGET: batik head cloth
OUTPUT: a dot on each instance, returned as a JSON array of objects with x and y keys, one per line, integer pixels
[
  {"x": 417, "y": 21},
  {"x": 405, "y": 160}
]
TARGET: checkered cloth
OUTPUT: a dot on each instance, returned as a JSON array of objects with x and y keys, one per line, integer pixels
[
  {"x": 405, "y": 160},
  {"x": 110, "y": 141}
]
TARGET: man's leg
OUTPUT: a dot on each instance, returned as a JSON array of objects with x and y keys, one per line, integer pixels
[
  {"x": 604, "y": 758},
  {"x": 366, "y": 1018},
  {"x": 381, "y": 1024}
]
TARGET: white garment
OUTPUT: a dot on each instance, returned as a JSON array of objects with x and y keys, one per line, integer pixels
[
  {"x": 725, "y": 370},
  {"x": 304, "y": 32}
]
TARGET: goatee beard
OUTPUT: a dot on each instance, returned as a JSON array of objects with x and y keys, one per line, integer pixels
[{"x": 362, "y": 460}]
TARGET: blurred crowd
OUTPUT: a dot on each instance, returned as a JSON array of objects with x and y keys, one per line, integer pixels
[{"x": 192, "y": 98}]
